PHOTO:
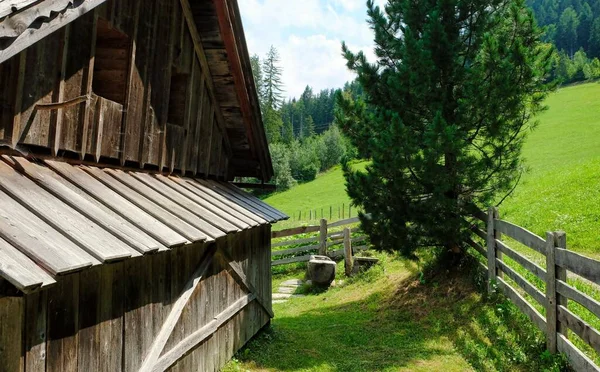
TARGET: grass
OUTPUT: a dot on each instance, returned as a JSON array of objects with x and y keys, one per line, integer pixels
[
  {"x": 561, "y": 190},
  {"x": 328, "y": 190},
  {"x": 388, "y": 319},
  {"x": 395, "y": 322}
]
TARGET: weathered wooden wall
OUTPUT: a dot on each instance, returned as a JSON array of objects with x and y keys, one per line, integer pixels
[
  {"x": 149, "y": 104},
  {"x": 107, "y": 318}
]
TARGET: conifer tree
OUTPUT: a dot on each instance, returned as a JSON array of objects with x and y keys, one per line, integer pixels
[
  {"x": 447, "y": 104},
  {"x": 272, "y": 85}
]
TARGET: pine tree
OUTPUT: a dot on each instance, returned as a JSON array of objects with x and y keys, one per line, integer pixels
[
  {"x": 308, "y": 127},
  {"x": 447, "y": 105},
  {"x": 258, "y": 80},
  {"x": 273, "y": 86}
]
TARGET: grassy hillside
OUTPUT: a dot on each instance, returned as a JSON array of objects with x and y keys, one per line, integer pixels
[
  {"x": 560, "y": 191},
  {"x": 328, "y": 190}
]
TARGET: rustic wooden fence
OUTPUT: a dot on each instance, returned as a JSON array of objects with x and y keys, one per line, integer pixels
[
  {"x": 324, "y": 243},
  {"x": 559, "y": 318}
]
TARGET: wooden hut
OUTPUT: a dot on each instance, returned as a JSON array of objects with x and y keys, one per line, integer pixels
[{"x": 123, "y": 244}]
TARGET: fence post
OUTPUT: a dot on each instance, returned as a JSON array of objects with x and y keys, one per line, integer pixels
[
  {"x": 323, "y": 238},
  {"x": 551, "y": 318},
  {"x": 491, "y": 250},
  {"x": 330, "y": 212},
  {"x": 560, "y": 241},
  {"x": 348, "y": 259}
]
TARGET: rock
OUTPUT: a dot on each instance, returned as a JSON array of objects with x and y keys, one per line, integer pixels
[
  {"x": 321, "y": 270},
  {"x": 292, "y": 282},
  {"x": 289, "y": 290},
  {"x": 363, "y": 264}
]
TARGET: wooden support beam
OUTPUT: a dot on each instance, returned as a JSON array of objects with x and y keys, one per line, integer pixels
[
  {"x": 169, "y": 325},
  {"x": 199, "y": 48},
  {"x": 238, "y": 273}
]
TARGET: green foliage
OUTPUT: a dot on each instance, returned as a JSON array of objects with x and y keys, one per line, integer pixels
[
  {"x": 332, "y": 148},
  {"x": 570, "y": 25},
  {"x": 281, "y": 165},
  {"x": 444, "y": 117},
  {"x": 272, "y": 84},
  {"x": 304, "y": 159}
]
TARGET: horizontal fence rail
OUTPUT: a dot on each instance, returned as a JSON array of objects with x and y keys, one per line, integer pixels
[
  {"x": 325, "y": 240},
  {"x": 559, "y": 318}
]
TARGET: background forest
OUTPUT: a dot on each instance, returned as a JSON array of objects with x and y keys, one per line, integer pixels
[{"x": 304, "y": 139}]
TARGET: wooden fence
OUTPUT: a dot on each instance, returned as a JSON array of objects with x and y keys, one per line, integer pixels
[
  {"x": 559, "y": 260},
  {"x": 320, "y": 244}
]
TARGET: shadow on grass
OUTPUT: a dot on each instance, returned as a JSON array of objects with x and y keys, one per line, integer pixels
[{"x": 438, "y": 322}]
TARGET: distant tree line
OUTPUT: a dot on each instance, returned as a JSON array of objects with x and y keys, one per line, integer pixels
[
  {"x": 301, "y": 133},
  {"x": 573, "y": 26}
]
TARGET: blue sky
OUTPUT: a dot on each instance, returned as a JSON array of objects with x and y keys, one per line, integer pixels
[{"x": 308, "y": 35}]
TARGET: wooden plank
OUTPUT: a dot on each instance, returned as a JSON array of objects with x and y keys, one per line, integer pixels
[
  {"x": 295, "y": 250},
  {"x": 221, "y": 210},
  {"x": 85, "y": 233},
  {"x": 39, "y": 241},
  {"x": 216, "y": 198},
  {"x": 256, "y": 200},
  {"x": 63, "y": 325},
  {"x": 147, "y": 205},
  {"x": 294, "y": 242},
  {"x": 347, "y": 221},
  {"x": 521, "y": 260},
  {"x": 529, "y": 288},
  {"x": 581, "y": 328},
  {"x": 135, "y": 90},
  {"x": 579, "y": 264},
  {"x": 160, "y": 341},
  {"x": 522, "y": 304},
  {"x": 574, "y": 294},
  {"x": 49, "y": 180},
  {"x": 560, "y": 242},
  {"x": 348, "y": 255},
  {"x": 244, "y": 202},
  {"x": 551, "y": 316},
  {"x": 128, "y": 179},
  {"x": 290, "y": 260},
  {"x": 120, "y": 205},
  {"x": 111, "y": 313},
  {"x": 477, "y": 247},
  {"x": 238, "y": 273},
  {"x": 491, "y": 251},
  {"x": 20, "y": 270},
  {"x": 9, "y": 7},
  {"x": 521, "y": 235},
  {"x": 172, "y": 356},
  {"x": 577, "y": 359},
  {"x": 187, "y": 203},
  {"x": 12, "y": 314},
  {"x": 340, "y": 252},
  {"x": 323, "y": 237},
  {"x": 33, "y": 35},
  {"x": 294, "y": 231},
  {"x": 36, "y": 327},
  {"x": 199, "y": 49},
  {"x": 137, "y": 318},
  {"x": 88, "y": 336}
]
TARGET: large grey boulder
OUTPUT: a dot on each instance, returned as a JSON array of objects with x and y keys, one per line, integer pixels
[{"x": 321, "y": 270}]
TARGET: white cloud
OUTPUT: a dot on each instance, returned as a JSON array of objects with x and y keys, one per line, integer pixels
[{"x": 308, "y": 35}]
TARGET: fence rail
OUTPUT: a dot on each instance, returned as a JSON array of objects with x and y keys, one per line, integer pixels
[
  {"x": 559, "y": 319},
  {"x": 325, "y": 240}
]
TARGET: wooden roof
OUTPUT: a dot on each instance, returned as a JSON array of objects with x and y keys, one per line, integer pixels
[
  {"x": 220, "y": 45},
  {"x": 57, "y": 218}
]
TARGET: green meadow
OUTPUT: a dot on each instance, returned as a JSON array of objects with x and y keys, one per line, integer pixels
[{"x": 401, "y": 316}]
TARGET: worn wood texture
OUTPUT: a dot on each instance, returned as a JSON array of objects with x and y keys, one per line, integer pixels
[
  {"x": 521, "y": 260},
  {"x": 551, "y": 306},
  {"x": 522, "y": 304},
  {"x": 521, "y": 235},
  {"x": 12, "y": 317}
]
